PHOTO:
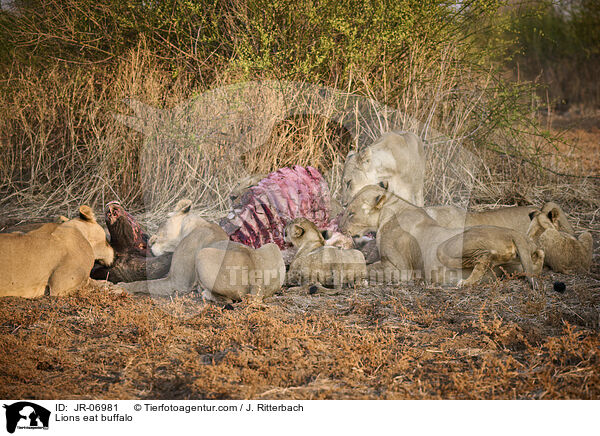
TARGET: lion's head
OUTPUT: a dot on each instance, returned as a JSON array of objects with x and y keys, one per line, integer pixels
[
  {"x": 540, "y": 222},
  {"x": 86, "y": 223},
  {"x": 363, "y": 213},
  {"x": 173, "y": 230},
  {"x": 302, "y": 231}
]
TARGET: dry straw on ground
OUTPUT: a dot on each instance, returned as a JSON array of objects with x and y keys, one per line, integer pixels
[{"x": 497, "y": 341}]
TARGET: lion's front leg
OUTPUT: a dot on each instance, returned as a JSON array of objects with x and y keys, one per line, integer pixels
[
  {"x": 400, "y": 253},
  {"x": 68, "y": 277}
]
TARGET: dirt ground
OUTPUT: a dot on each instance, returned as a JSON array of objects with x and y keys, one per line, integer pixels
[
  {"x": 581, "y": 142},
  {"x": 496, "y": 341}
]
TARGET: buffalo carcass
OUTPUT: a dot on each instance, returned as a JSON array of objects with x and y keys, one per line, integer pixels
[
  {"x": 259, "y": 216},
  {"x": 262, "y": 212},
  {"x": 134, "y": 260}
]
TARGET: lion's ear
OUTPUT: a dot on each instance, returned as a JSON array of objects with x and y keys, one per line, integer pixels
[
  {"x": 298, "y": 231},
  {"x": 364, "y": 156},
  {"x": 384, "y": 185},
  {"x": 86, "y": 213},
  {"x": 184, "y": 206},
  {"x": 553, "y": 215},
  {"x": 532, "y": 215},
  {"x": 380, "y": 201}
]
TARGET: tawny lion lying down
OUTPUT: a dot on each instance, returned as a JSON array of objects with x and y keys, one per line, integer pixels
[
  {"x": 563, "y": 252},
  {"x": 408, "y": 239},
  {"x": 55, "y": 257},
  {"x": 205, "y": 258},
  {"x": 318, "y": 264}
]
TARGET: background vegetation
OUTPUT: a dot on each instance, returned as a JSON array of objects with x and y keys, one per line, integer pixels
[
  {"x": 67, "y": 66},
  {"x": 557, "y": 44}
]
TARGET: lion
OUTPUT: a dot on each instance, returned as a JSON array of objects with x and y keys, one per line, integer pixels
[
  {"x": 514, "y": 217},
  {"x": 22, "y": 228},
  {"x": 316, "y": 262},
  {"x": 396, "y": 158},
  {"x": 184, "y": 233},
  {"x": 55, "y": 257},
  {"x": 242, "y": 185},
  {"x": 564, "y": 253},
  {"x": 179, "y": 225},
  {"x": 410, "y": 240},
  {"x": 231, "y": 270}
]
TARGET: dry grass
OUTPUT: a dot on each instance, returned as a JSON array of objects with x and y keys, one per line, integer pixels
[
  {"x": 494, "y": 341},
  {"x": 62, "y": 144},
  {"x": 498, "y": 341}
]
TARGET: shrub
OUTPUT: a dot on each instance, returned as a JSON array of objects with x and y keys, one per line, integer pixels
[{"x": 68, "y": 65}]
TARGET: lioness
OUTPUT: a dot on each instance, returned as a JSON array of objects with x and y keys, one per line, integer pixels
[
  {"x": 242, "y": 186},
  {"x": 316, "y": 262},
  {"x": 57, "y": 257},
  {"x": 231, "y": 270},
  {"x": 408, "y": 237},
  {"x": 23, "y": 228},
  {"x": 204, "y": 256},
  {"x": 184, "y": 233},
  {"x": 396, "y": 158},
  {"x": 516, "y": 217},
  {"x": 564, "y": 253}
]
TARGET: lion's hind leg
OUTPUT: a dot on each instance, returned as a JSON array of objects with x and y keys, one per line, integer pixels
[
  {"x": 158, "y": 287},
  {"x": 484, "y": 248},
  {"x": 465, "y": 251}
]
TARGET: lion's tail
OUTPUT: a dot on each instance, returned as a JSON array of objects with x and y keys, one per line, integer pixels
[{"x": 525, "y": 256}]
